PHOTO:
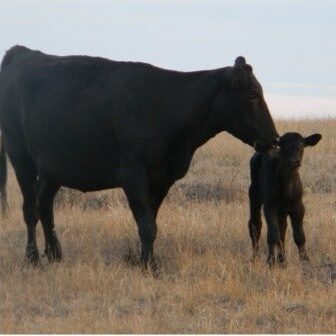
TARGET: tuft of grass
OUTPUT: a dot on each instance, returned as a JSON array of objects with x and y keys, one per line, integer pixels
[{"x": 207, "y": 281}]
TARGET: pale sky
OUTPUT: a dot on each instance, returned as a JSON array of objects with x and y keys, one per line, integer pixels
[{"x": 290, "y": 43}]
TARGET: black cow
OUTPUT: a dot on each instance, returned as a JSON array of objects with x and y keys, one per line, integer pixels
[
  {"x": 276, "y": 184},
  {"x": 90, "y": 123}
]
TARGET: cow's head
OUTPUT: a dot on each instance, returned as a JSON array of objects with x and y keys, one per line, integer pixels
[
  {"x": 292, "y": 146},
  {"x": 242, "y": 110}
]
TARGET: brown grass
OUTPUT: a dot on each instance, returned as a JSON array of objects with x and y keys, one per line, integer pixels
[{"x": 207, "y": 282}]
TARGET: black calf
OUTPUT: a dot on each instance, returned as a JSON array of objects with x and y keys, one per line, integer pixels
[{"x": 276, "y": 184}]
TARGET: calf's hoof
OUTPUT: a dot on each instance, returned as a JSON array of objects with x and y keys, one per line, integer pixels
[
  {"x": 304, "y": 258},
  {"x": 32, "y": 255},
  {"x": 54, "y": 252},
  {"x": 282, "y": 264},
  {"x": 255, "y": 256},
  {"x": 271, "y": 261},
  {"x": 282, "y": 261}
]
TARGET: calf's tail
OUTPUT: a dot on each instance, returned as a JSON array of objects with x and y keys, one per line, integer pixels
[{"x": 3, "y": 178}]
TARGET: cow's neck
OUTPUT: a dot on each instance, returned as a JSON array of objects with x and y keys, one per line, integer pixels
[
  {"x": 198, "y": 127},
  {"x": 201, "y": 136},
  {"x": 185, "y": 148},
  {"x": 203, "y": 128}
]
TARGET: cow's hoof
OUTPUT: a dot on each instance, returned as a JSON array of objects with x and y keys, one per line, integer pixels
[
  {"x": 151, "y": 268},
  {"x": 155, "y": 268},
  {"x": 32, "y": 255},
  {"x": 54, "y": 252},
  {"x": 153, "y": 265},
  {"x": 150, "y": 272}
]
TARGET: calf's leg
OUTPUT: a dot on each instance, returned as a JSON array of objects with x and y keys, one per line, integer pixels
[
  {"x": 255, "y": 222},
  {"x": 281, "y": 246},
  {"x": 296, "y": 214},
  {"x": 273, "y": 233}
]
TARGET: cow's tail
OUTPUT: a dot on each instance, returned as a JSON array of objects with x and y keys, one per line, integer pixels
[{"x": 3, "y": 178}]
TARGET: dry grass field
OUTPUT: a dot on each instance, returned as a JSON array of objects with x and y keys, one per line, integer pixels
[{"x": 207, "y": 281}]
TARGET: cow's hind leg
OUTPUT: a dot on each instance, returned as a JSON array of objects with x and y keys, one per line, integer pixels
[
  {"x": 26, "y": 176},
  {"x": 255, "y": 222},
  {"x": 46, "y": 193},
  {"x": 139, "y": 200}
]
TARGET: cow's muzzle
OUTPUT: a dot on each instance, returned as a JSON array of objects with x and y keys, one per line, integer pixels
[{"x": 262, "y": 146}]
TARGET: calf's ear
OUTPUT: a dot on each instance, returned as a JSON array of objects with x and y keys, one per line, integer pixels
[{"x": 313, "y": 139}]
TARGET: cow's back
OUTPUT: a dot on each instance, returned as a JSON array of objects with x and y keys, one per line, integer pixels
[{"x": 84, "y": 119}]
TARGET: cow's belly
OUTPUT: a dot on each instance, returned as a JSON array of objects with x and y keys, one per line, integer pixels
[{"x": 89, "y": 173}]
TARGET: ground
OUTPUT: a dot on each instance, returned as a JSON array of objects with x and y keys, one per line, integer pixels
[{"x": 207, "y": 281}]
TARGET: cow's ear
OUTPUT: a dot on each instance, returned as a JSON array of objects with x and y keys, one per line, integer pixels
[
  {"x": 241, "y": 65},
  {"x": 239, "y": 76},
  {"x": 313, "y": 139},
  {"x": 240, "y": 60}
]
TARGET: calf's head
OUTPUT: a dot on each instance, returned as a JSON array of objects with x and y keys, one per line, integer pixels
[
  {"x": 292, "y": 146},
  {"x": 242, "y": 108}
]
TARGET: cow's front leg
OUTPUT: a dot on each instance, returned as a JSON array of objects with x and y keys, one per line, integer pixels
[
  {"x": 273, "y": 233},
  {"x": 157, "y": 193},
  {"x": 139, "y": 200}
]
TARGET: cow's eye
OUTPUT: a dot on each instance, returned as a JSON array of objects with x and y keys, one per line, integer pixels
[{"x": 252, "y": 96}]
